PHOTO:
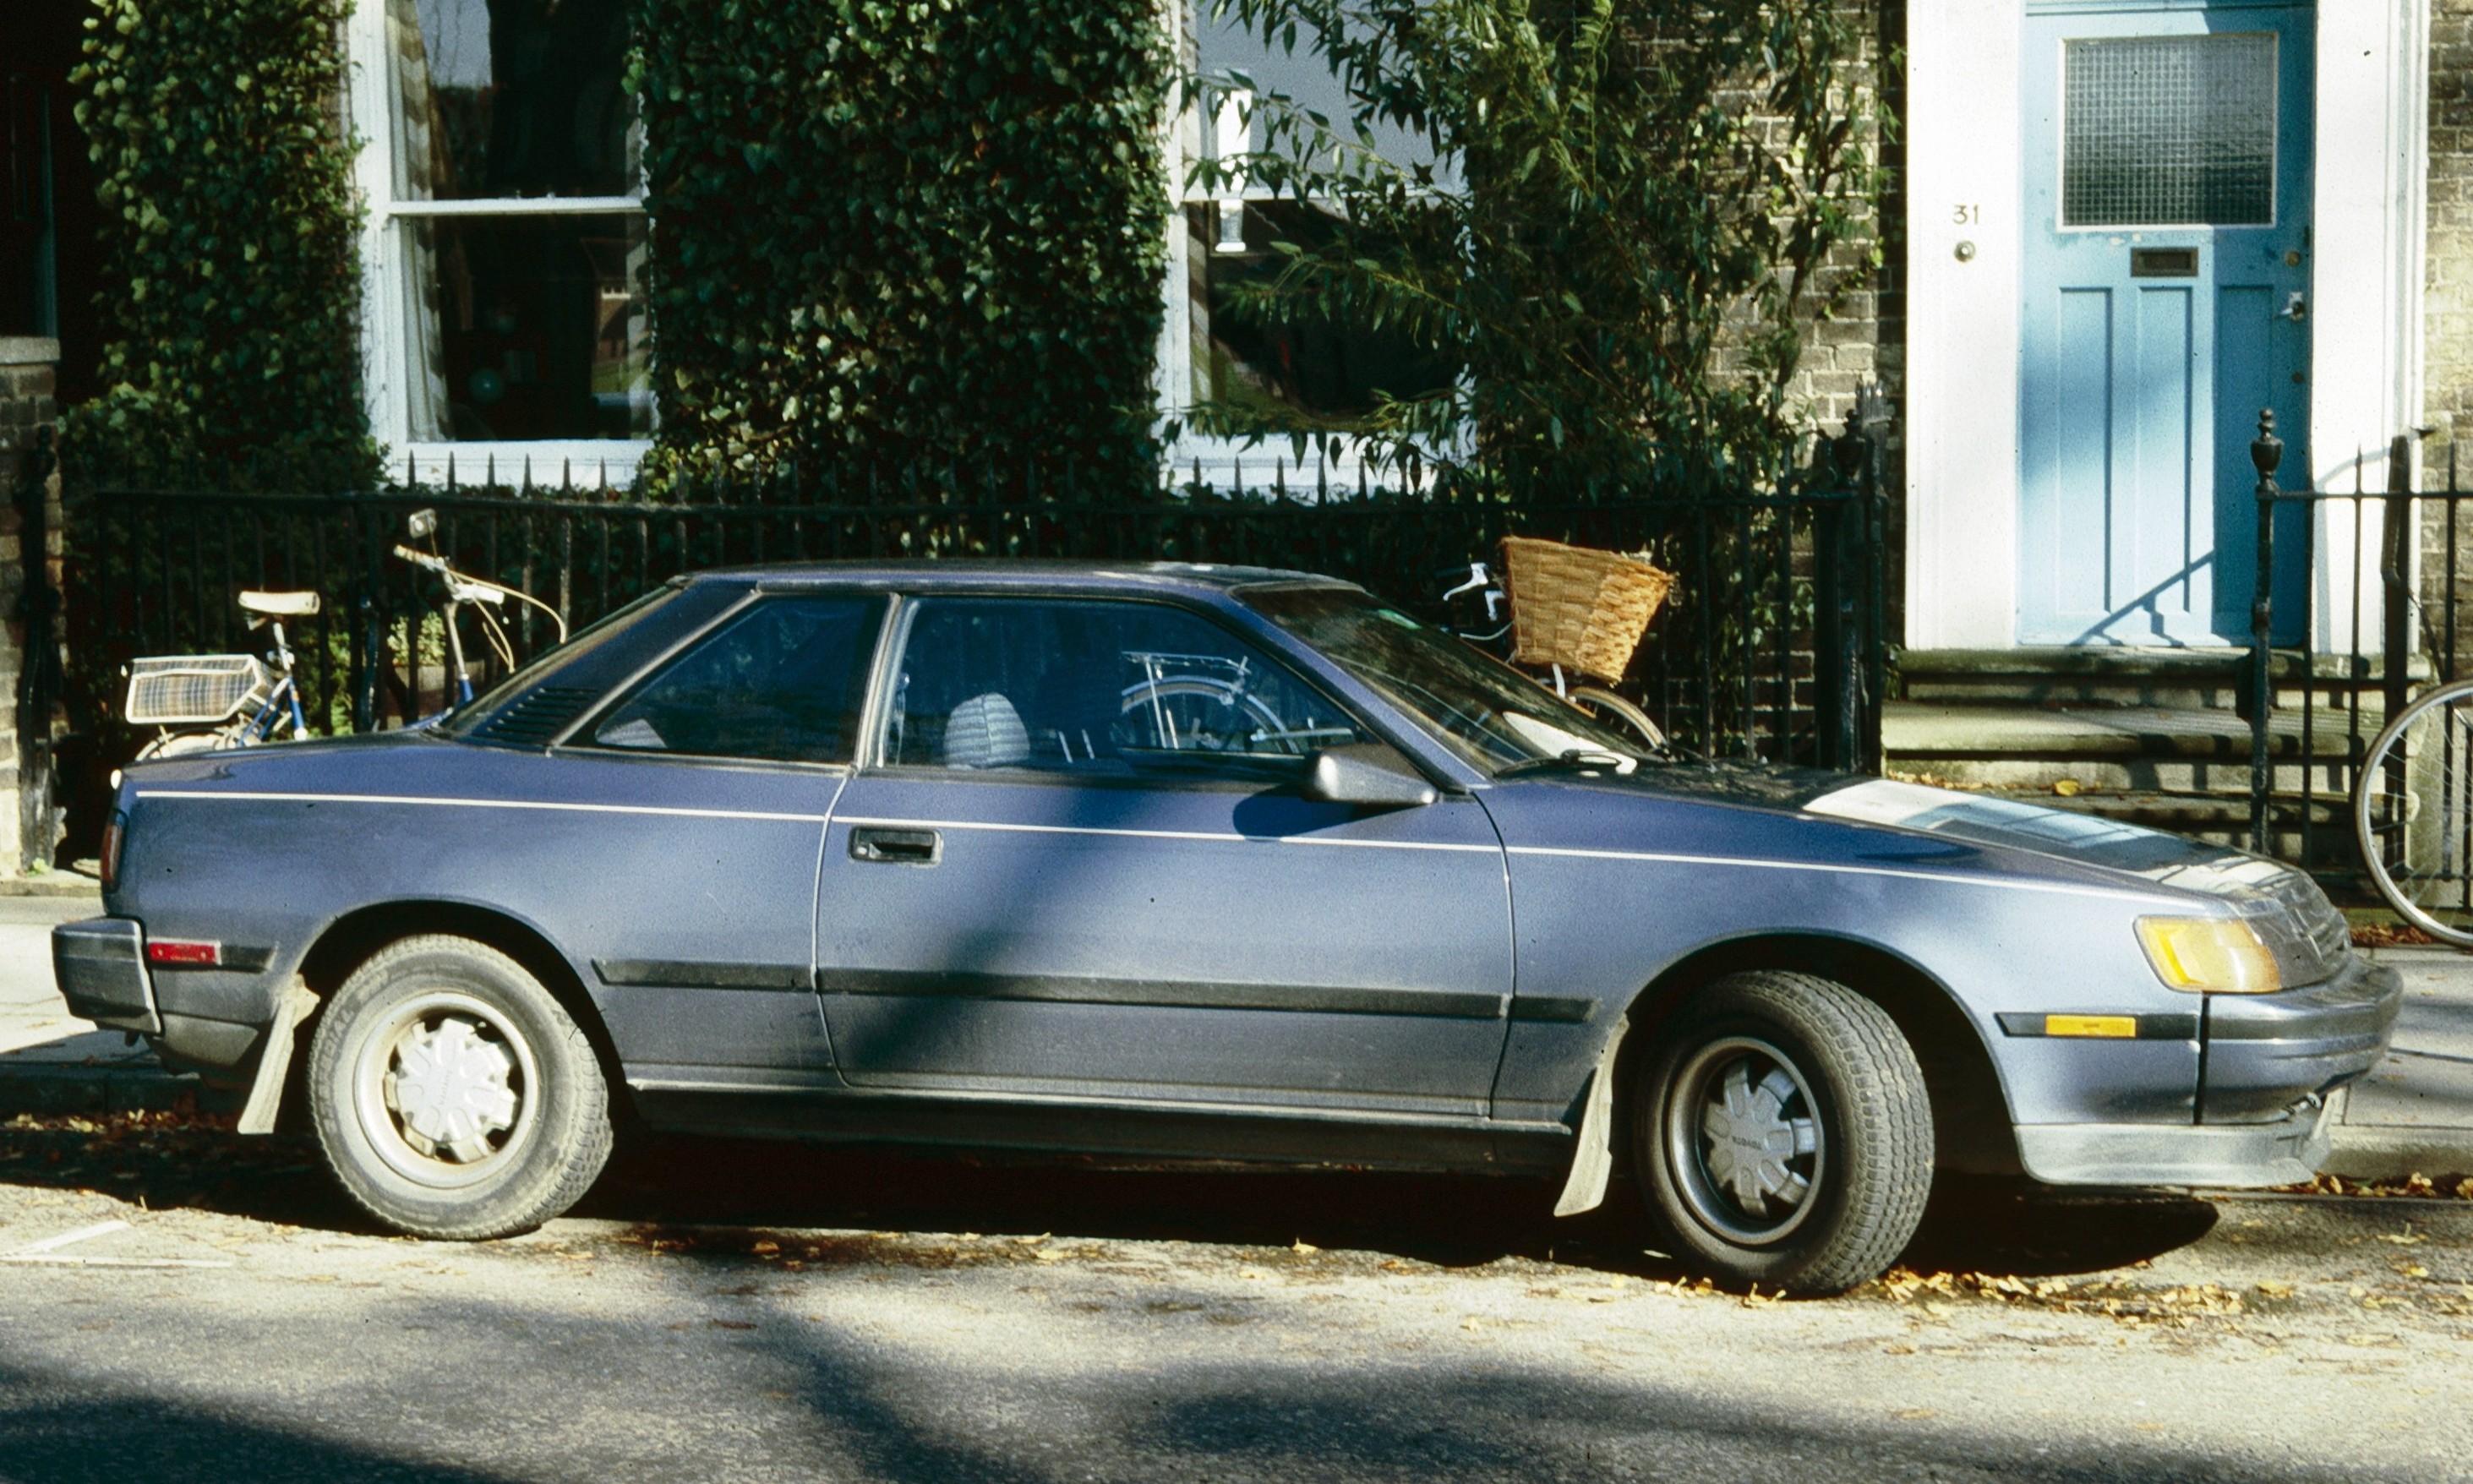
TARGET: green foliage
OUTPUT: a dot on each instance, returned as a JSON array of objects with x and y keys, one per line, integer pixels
[
  {"x": 895, "y": 232},
  {"x": 1653, "y": 203},
  {"x": 231, "y": 285}
]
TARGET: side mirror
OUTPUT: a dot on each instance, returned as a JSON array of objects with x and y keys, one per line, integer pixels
[
  {"x": 420, "y": 524},
  {"x": 1336, "y": 777}
]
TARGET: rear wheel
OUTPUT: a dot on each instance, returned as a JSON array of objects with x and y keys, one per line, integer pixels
[
  {"x": 1781, "y": 1134},
  {"x": 1612, "y": 710},
  {"x": 180, "y": 744},
  {"x": 453, "y": 1096}
]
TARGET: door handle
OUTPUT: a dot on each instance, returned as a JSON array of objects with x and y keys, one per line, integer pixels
[{"x": 898, "y": 846}]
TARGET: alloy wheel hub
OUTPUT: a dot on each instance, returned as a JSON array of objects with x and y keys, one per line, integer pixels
[
  {"x": 450, "y": 1088},
  {"x": 1751, "y": 1139}
]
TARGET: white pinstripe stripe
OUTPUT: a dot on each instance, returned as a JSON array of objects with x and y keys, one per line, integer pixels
[
  {"x": 478, "y": 804},
  {"x": 1157, "y": 834},
  {"x": 1994, "y": 882},
  {"x": 1643, "y": 856}
]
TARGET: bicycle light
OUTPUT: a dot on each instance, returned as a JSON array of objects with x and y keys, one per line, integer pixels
[{"x": 2209, "y": 955}]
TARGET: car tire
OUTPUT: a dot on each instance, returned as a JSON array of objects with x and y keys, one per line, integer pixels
[
  {"x": 453, "y": 1094},
  {"x": 1781, "y": 1135}
]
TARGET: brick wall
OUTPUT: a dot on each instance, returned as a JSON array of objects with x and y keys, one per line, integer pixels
[
  {"x": 26, "y": 405},
  {"x": 2448, "y": 310}
]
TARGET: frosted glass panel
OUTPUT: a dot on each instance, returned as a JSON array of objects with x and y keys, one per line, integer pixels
[{"x": 2168, "y": 132}]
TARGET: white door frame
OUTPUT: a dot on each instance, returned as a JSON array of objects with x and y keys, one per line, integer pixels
[{"x": 1963, "y": 241}]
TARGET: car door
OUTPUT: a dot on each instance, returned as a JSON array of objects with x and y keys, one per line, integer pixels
[
  {"x": 1081, "y": 865},
  {"x": 708, "y": 782}
]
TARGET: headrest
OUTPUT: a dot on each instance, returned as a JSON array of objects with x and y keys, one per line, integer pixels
[{"x": 985, "y": 732}]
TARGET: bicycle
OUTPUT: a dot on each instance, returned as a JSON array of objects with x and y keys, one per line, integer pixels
[
  {"x": 223, "y": 701},
  {"x": 2413, "y": 813},
  {"x": 463, "y": 589},
  {"x": 210, "y": 703},
  {"x": 1552, "y": 652}
]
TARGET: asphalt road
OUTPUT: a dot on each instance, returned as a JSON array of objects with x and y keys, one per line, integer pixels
[{"x": 731, "y": 1311}]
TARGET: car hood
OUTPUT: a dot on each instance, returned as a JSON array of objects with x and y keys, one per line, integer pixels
[{"x": 2082, "y": 840}]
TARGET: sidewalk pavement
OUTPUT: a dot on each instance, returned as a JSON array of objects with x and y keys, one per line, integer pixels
[
  {"x": 51, "y": 1061},
  {"x": 2414, "y": 1114}
]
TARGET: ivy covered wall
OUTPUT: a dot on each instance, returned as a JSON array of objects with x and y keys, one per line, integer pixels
[
  {"x": 231, "y": 286},
  {"x": 897, "y": 232}
]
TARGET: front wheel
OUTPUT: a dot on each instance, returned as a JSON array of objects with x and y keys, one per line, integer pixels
[
  {"x": 1781, "y": 1134},
  {"x": 2413, "y": 813},
  {"x": 453, "y": 1096}
]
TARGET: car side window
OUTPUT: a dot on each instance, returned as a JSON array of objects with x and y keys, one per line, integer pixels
[
  {"x": 782, "y": 682},
  {"x": 1098, "y": 688}
]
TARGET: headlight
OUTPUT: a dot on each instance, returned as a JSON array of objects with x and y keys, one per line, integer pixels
[{"x": 2209, "y": 955}]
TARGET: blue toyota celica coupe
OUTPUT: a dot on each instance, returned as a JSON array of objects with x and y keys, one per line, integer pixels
[{"x": 1192, "y": 862}]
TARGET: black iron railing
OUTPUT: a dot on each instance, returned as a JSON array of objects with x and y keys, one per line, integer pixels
[
  {"x": 2386, "y": 609},
  {"x": 1770, "y": 649}
]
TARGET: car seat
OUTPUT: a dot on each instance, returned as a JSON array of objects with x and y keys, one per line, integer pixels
[{"x": 986, "y": 731}]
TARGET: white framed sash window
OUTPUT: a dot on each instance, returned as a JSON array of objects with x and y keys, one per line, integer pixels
[{"x": 505, "y": 326}]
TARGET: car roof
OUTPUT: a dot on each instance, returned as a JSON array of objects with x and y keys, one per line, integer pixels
[{"x": 980, "y": 574}]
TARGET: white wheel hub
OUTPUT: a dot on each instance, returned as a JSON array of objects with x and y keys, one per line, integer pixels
[{"x": 451, "y": 1088}]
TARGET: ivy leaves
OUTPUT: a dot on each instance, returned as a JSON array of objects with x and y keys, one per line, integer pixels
[
  {"x": 232, "y": 297},
  {"x": 1639, "y": 211},
  {"x": 904, "y": 233}
]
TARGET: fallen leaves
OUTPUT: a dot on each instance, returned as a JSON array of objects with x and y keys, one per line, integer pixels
[
  {"x": 2181, "y": 1305},
  {"x": 2413, "y": 1187}
]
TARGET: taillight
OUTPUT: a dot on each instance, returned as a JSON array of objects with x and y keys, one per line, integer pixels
[
  {"x": 112, "y": 835},
  {"x": 183, "y": 952}
]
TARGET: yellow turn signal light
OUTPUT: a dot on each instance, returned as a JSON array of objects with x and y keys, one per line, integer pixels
[{"x": 2209, "y": 955}]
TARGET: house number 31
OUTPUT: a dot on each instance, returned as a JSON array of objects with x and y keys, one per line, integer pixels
[{"x": 1966, "y": 215}]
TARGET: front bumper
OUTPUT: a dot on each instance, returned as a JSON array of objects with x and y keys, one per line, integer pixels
[
  {"x": 2264, "y": 1052},
  {"x": 99, "y": 966},
  {"x": 2169, "y": 1153},
  {"x": 2270, "y": 1066}
]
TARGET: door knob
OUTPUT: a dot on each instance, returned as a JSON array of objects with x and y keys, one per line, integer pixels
[{"x": 2295, "y": 308}]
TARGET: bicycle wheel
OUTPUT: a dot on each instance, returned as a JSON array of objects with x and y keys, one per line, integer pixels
[
  {"x": 1198, "y": 715},
  {"x": 1614, "y": 711},
  {"x": 180, "y": 744},
  {"x": 2413, "y": 813}
]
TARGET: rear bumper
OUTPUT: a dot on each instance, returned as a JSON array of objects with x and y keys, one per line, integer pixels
[{"x": 99, "y": 966}]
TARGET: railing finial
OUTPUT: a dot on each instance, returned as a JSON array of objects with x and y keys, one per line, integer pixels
[{"x": 2267, "y": 450}]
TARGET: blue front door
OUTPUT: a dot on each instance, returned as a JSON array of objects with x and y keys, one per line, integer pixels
[{"x": 2165, "y": 302}]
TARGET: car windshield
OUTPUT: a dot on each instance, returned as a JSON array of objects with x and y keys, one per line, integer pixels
[
  {"x": 1482, "y": 708},
  {"x": 462, "y": 719}
]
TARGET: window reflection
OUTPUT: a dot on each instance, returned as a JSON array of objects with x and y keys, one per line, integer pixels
[
  {"x": 508, "y": 98},
  {"x": 530, "y": 327}
]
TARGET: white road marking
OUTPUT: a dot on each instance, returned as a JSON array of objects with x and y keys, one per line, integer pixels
[
  {"x": 48, "y": 1250},
  {"x": 68, "y": 1239}
]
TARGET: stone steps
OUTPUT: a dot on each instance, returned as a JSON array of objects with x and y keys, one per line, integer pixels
[
  {"x": 2147, "y": 736},
  {"x": 2173, "y": 678}
]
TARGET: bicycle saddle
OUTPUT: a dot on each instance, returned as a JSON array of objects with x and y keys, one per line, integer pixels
[{"x": 279, "y": 605}]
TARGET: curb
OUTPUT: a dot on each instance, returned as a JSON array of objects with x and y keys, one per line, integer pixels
[
  {"x": 55, "y": 883},
  {"x": 2398, "y": 1152},
  {"x": 132, "y": 1086}
]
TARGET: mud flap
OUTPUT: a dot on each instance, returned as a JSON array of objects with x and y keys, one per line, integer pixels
[
  {"x": 1594, "y": 1161},
  {"x": 275, "y": 1063}
]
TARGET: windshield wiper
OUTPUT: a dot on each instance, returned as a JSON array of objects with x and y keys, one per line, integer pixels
[{"x": 1575, "y": 758}]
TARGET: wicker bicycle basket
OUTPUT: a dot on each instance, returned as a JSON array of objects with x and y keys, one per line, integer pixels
[
  {"x": 193, "y": 690},
  {"x": 1580, "y": 609}
]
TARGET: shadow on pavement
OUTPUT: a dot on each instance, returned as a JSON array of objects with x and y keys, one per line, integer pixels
[{"x": 1973, "y": 1225}]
